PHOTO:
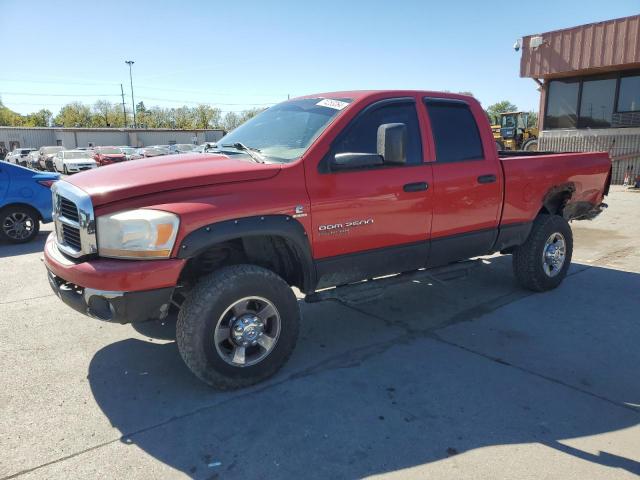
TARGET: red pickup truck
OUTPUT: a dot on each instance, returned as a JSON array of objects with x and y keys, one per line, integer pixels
[{"x": 320, "y": 191}]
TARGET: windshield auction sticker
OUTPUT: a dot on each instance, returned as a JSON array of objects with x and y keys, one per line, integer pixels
[{"x": 335, "y": 104}]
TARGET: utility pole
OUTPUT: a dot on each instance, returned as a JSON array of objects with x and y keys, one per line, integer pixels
[
  {"x": 133, "y": 102},
  {"x": 124, "y": 111}
]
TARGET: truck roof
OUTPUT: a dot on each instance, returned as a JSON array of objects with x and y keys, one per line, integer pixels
[{"x": 363, "y": 94}]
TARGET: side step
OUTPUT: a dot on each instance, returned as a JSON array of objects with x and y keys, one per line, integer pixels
[{"x": 369, "y": 289}]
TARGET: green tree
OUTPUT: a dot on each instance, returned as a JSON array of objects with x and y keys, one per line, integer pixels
[
  {"x": 205, "y": 116},
  {"x": 235, "y": 119},
  {"x": 102, "y": 115},
  {"x": 496, "y": 109},
  {"x": 8, "y": 117},
  {"x": 533, "y": 119},
  {"x": 74, "y": 114},
  {"x": 41, "y": 118}
]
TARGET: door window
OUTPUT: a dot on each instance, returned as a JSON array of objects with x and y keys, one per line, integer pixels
[
  {"x": 455, "y": 132},
  {"x": 362, "y": 135}
]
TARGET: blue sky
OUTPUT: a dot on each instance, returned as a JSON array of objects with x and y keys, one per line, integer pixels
[{"x": 240, "y": 54}]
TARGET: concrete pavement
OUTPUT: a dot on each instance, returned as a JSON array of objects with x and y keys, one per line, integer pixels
[{"x": 470, "y": 379}]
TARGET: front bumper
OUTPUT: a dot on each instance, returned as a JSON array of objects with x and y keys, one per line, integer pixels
[
  {"x": 121, "y": 291},
  {"x": 113, "y": 306}
]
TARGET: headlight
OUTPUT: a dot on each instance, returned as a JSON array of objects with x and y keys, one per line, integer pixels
[{"x": 137, "y": 234}]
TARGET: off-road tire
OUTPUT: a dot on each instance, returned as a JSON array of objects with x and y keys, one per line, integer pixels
[
  {"x": 527, "y": 258},
  {"x": 205, "y": 304},
  {"x": 11, "y": 209}
]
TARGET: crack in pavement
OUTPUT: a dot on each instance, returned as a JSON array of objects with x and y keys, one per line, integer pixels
[
  {"x": 354, "y": 358},
  {"x": 27, "y": 299}
]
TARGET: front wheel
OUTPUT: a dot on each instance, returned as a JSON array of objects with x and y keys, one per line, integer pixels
[
  {"x": 238, "y": 326},
  {"x": 65, "y": 170},
  {"x": 542, "y": 261}
]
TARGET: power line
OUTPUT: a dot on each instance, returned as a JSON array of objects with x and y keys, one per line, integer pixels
[
  {"x": 212, "y": 103},
  {"x": 59, "y": 94}
]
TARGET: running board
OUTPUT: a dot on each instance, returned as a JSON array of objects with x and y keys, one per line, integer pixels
[{"x": 369, "y": 289}]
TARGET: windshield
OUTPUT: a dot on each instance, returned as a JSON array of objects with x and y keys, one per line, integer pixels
[
  {"x": 109, "y": 151},
  {"x": 74, "y": 155},
  {"x": 184, "y": 146},
  {"x": 284, "y": 132}
]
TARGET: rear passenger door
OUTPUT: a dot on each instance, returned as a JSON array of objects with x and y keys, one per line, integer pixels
[{"x": 467, "y": 184}]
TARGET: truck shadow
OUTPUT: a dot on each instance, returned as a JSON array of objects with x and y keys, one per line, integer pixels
[
  {"x": 399, "y": 382},
  {"x": 36, "y": 245}
]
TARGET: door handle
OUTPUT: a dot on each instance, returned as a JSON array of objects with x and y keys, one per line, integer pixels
[
  {"x": 416, "y": 187},
  {"x": 486, "y": 178}
]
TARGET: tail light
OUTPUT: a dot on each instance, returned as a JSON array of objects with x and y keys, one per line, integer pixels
[{"x": 46, "y": 183}]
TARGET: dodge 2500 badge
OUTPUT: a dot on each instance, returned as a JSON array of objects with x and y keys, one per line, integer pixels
[{"x": 409, "y": 181}]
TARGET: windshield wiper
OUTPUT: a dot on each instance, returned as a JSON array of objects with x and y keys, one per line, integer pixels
[{"x": 254, "y": 153}]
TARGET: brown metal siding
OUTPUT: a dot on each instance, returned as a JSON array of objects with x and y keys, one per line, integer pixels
[{"x": 603, "y": 46}]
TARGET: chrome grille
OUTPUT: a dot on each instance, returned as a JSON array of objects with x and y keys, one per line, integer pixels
[
  {"x": 68, "y": 209},
  {"x": 71, "y": 237},
  {"x": 74, "y": 220}
]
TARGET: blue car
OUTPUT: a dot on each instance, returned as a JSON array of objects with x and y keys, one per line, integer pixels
[{"x": 25, "y": 201}]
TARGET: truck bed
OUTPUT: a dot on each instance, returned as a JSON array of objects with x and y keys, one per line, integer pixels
[{"x": 531, "y": 178}]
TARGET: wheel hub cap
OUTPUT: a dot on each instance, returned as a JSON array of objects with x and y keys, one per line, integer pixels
[
  {"x": 554, "y": 254},
  {"x": 246, "y": 330},
  {"x": 18, "y": 225}
]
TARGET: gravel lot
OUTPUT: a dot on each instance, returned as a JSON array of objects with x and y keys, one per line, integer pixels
[{"x": 471, "y": 379}]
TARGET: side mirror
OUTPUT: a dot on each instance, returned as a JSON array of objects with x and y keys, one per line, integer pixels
[
  {"x": 346, "y": 161},
  {"x": 392, "y": 142}
]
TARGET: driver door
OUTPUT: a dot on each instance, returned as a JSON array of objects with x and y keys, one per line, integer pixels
[{"x": 373, "y": 220}]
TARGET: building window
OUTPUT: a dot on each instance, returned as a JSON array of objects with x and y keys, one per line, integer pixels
[
  {"x": 629, "y": 96},
  {"x": 611, "y": 101},
  {"x": 562, "y": 104},
  {"x": 596, "y": 103}
]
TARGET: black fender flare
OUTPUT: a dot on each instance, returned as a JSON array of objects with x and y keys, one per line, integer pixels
[{"x": 198, "y": 241}]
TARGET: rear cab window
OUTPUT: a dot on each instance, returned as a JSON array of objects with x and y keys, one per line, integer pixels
[{"x": 455, "y": 131}]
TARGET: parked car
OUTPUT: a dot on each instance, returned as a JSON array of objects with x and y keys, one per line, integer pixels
[
  {"x": 151, "y": 152},
  {"x": 205, "y": 147},
  {"x": 45, "y": 160},
  {"x": 33, "y": 160},
  {"x": 108, "y": 155},
  {"x": 315, "y": 192},
  {"x": 73, "y": 161},
  {"x": 19, "y": 156},
  {"x": 130, "y": 153},
  {"x": 181, "y": 147},
  {"x": 25, "y": 201}
]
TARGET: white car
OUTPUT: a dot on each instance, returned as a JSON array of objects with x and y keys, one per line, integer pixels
[
  {"x": 47, "y": 153},
  {"x": 73, "y": 161},
  {"x": 19, "y": 156}
]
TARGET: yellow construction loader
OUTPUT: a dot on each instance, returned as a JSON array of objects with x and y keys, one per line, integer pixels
[{"x": 514, "y": 133}]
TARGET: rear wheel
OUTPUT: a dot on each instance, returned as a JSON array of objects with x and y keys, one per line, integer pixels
[
  {"x": 19, "y": 224},
  {"x": 499, "y": 145},
  {"x": 531, "y": 146},
  {"x": 542, "y": 261},
  {"x": 238, "y": 326}
]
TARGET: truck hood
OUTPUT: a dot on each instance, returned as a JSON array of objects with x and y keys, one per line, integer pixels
[{"x": 125, "y": 180}]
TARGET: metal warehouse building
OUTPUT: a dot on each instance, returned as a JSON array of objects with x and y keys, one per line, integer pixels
[
  {"x": 590, "y": 89},
  {"x": 36, "y": 137}
]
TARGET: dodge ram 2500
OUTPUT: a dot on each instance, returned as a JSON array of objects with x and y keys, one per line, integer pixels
[{"x": 320, "y": 191}]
